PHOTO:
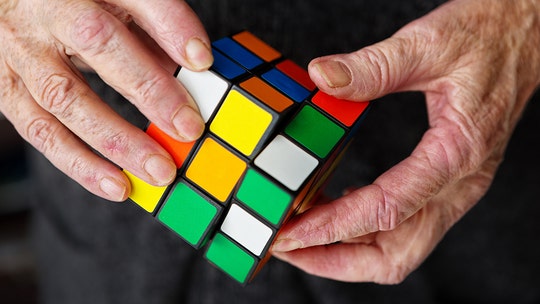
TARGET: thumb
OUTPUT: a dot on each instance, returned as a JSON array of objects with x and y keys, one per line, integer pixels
[{"x": 372, "y": 72}]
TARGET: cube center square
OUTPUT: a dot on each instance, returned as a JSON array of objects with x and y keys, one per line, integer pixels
[
  {"x": 215, "y": 169},
  {"x": 271, "y": 141}
]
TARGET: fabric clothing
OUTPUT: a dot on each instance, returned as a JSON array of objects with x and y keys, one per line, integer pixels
[{"x": 93, "y": 251}]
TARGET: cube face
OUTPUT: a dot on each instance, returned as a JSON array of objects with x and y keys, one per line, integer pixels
[{"x": 271, "y": 141}]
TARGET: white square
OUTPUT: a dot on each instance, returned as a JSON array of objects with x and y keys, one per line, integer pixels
[
  {"x": 206, "y": 88},
  {"x": 286, "y": 162},
  {"x": 246, "y": 230}
]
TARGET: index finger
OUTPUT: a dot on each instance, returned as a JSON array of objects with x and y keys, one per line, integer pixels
[
  {"x": 176, "y": 28},
  {"x": 107, "y": 45}
]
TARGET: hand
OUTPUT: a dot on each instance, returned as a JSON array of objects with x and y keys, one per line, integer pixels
[
  {"x": 46, "y": 99},
  {"x": 477, "y": 61}
]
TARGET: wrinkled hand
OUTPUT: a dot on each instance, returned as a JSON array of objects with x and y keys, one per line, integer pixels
[
  {"x": 51, "y": 106},
  {"x": 477, "y": 61}
]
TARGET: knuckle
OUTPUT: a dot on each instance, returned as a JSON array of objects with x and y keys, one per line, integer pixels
[
  {"x": 395, "y": 276},
  {"x": 42, "y": 132},
  {"x": 377, "y": 74},
  {"x": 92, "y": 31},
  {"x": 387, "y": 213},
  {"x": 387, "y": 216},
  {"x": 116, "y": 144},
  {"x": 56, "y": 94},
  {"x": 10, "y": 86},
  {"x": 79, "y": 169},
  {"x": 148, "y": 90}
]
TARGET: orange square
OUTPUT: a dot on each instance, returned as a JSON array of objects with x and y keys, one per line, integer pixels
[
  {"x": 257, "y": 46},
  {"x": 216, "y": 169},
  {"x": 178, "y": 150}
]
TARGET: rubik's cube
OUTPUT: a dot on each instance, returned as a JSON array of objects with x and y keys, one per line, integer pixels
[{"x": 270, "y": 143}]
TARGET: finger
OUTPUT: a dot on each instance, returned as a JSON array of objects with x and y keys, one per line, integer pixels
[
  {"x": 388, "y": 257},
  {"x": 394, "y": 64},
  {"x": 387, "y": 261},
  {"x": 59, "y": 145},
  {"x": 344, "y": 262},
  {"x": 382, "y": 206},
  {"x": 382, "y": 257},
  {"x": 104, "y": 43},
  {"x": 59, "y": 91},
  {"x": 176, "y": 28}
]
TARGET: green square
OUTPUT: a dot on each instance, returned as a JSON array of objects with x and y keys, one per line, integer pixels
[
  {"x": 315, "y": 131},
  {"x": 230, "y": 258},
  {"x": 189, "y": 214},
  {"x": 264, "y": 197}
]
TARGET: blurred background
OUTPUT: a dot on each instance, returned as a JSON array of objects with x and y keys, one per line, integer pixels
[{"x": 17, "y": 263}]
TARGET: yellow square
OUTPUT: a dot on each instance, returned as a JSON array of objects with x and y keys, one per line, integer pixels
[
  {"x": 143, "y": 194},
  {"x": 241, "y": 122},
  {"x": 215, "y": 169}
]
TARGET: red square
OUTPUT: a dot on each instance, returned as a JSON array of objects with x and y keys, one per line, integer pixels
[{"x": 345, "y": 111}]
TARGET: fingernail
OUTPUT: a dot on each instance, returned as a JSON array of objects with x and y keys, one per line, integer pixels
[
  {"x": 335, "y": 73},
  {"x": 285, "y": 245},
  {"x": 188, "y": 123},
  {"x": 199, "y": 54},
  {"x": 113, "y": 188},
  {"x": 161, "y": 169}
]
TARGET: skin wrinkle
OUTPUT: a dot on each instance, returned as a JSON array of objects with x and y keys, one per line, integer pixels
[
  {"x": 146, "y": 88},
  {"x": 378, "y": 69},
  {"x": 40, "y": 132},
  {"x": 116, "y": 144},
  {"x": 6, "y": 6},
  {"x": 55, "y": 94},
  {"x": 322, "y": 227},
  {"x": 454, "y": 159},
  {"x": 161, "y": 31},
  {"x": 78, "y": 165},
  {"x": 93, "y": 33},
  {"x": 387, "y": 213}
]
